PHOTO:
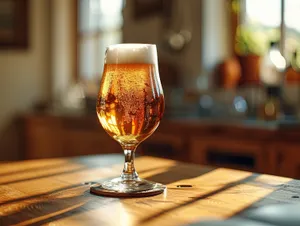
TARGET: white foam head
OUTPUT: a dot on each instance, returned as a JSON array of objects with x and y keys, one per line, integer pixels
[{"x": 131, "y": 53}]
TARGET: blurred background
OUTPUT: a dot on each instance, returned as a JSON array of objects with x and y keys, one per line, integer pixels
[{"x": 230, "y": 71}]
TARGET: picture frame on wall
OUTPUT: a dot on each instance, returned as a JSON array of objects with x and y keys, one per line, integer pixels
[{"x": 13, "y": 24}]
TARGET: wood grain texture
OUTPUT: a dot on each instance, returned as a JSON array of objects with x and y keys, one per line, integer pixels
[{"x": 56, "y": 192}]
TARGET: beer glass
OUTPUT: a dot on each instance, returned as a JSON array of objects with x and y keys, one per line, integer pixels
[{"x": 130, "y": 106}]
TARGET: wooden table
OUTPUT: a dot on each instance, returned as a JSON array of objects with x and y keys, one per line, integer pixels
[{"x": 56, "y": 192}]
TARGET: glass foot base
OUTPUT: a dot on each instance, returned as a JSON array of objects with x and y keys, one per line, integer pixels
[{"x": 127, "y": 188}]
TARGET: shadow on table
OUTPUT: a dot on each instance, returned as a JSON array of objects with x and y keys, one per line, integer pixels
[
  {"x": 178, "y": 172},
  {"x": 197, "y": 198}
]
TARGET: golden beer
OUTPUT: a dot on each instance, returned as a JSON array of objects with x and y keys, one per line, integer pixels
[{"x": 130, "y": 104}]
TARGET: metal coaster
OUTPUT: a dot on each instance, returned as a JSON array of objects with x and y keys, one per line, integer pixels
[{"x": 97, "y": 189}]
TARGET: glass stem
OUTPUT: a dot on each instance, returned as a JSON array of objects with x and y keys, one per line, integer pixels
[{"x": 129, "y": 172}]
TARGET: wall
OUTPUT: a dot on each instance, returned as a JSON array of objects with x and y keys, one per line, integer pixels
[
  {"x": 208, "y": 21},
  {"x": 63, "y": 43},
  {"x": 216, "y": 27},
  {"x": 152, "y": 30},
  {"x": 24, "y": 75}
]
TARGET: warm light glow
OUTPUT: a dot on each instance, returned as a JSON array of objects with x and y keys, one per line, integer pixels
[
  {"x": 111, "y": 6},
  {"x": 269, "y": 109},
  {"x": 165, "y": 194},
  {"x": 124, "y": 219},
  {"x": 272, "y": 67},
  {"x": 278, "y": 60},
  {"x": 40, "y": 173}
]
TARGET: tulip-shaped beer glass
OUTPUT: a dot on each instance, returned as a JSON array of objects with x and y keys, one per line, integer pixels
[{"x": 130, "y": 106}]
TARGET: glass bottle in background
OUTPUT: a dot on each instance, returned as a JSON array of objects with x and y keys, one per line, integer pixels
[
  {"x": 296, "y": 61},
  {"x": 271, "y": 110},
  {"x": 292, "y": 85},
  {"x": 271, "y": 75},
  {"x": 293, "y": 71}
]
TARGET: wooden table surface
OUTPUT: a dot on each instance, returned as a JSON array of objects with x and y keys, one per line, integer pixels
[{"x": 56, "y": 192}]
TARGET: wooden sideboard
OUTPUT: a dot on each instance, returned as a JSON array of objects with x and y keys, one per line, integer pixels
[{"x": 255, "y": 148}]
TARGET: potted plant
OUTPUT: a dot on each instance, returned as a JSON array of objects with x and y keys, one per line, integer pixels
[{"x": 250, "y": 45}]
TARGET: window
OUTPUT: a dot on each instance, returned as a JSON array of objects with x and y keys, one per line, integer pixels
[
  {"x": 266, "y": 15},
  {"x": 100, "y": 25}
]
